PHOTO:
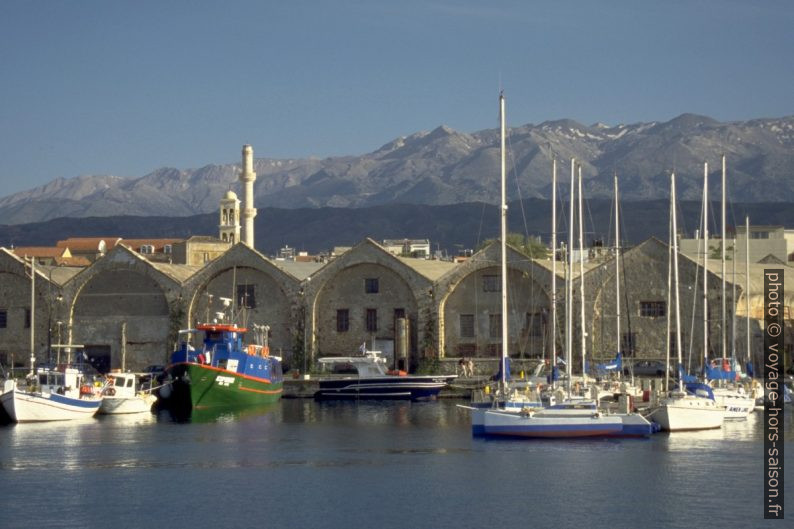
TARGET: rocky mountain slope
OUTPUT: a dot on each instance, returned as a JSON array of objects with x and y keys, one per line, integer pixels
[{"x": 444, "y": 167}]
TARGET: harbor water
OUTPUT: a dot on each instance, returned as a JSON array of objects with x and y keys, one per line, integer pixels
[{"x": 306, "y": 464}]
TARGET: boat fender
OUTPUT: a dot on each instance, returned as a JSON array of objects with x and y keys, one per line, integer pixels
[
  {"x": 86, "y": 390},
  {"x": 265, "y": 351},
  {"x": 201, "y": 358},
  {"x": 109, "y": 391},
  {"x": 251, "y": 350},
  {"x": 397, "y": 372}
]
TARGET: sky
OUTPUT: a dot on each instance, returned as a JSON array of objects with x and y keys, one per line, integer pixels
[{"x": 125, "y": 87}]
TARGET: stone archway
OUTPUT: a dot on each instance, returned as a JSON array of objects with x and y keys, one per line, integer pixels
[
  {"x": 122, "y": 302},
  {"x": 358, "y": 296},
  {"x": 255, "y": 297}
]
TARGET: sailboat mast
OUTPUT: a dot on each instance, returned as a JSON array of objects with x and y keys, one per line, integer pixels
[
  {"x": 747, "y": 282},
  {"x": 675, "y": 275},
  {"x": 669, "y": 289},
  {"x": 705, "y": 265},
  {"x": 32, "y": 314},
  {"x": 503, "y": 236},
  {"x": 569, "y": 285},
  {"x": 581, "y": 272},
  {"x": 617, "y": 272},
  {"x": 724, "y": 305},
  {"x": 553, "y": 269}
]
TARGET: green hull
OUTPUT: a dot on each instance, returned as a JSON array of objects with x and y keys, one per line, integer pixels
[{"x": 211, "y": 387}]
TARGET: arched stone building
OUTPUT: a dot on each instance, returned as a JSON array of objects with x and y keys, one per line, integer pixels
[
  {"x": 644, "y": 306},
  {"x": 124, "y": 307},
  {"x": 260, "y": 291},
  {"x": 357, "y": 298},
  {"x": 471, "y": 310}
]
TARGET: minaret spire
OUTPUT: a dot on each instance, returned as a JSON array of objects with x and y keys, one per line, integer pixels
[{"x": 247, "y": 178}]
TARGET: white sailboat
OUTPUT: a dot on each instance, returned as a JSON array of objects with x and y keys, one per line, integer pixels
[
  {"x": 506, "y": 398},
  {"x": 572, "y": 418},
  {"x": 737, "y": 402},
  {"x": 679, "y": 409},
  {"x": 51, "y": 393}
]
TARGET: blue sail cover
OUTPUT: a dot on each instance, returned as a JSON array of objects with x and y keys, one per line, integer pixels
[
  {"x": 615, "y": 366},
  {"x": 504, "y": 363},
  {"x": 683, "y": 377},
  {"x": 555, "y": 374},
  {"x": 699, "y": 389},
  {"x": 722, "y": 371},
  {"x": 750, "y": 372}
]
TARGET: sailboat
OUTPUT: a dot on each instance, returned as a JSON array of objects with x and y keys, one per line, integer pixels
[
  {"x": 56, "y": 393},
  {"x": 505, "y": 398},
  {"x": 567, "y": 419},
  {"x": 738, "y": 404},
  {"x": 689, "y": 407}
]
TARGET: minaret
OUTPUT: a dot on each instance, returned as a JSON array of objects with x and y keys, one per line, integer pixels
[
  {"x": 229, "y": 227},
  {"x": 247, "y": 177}
]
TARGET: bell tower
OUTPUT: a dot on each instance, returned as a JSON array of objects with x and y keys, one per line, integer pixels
[{"x": 229, "y": 226}]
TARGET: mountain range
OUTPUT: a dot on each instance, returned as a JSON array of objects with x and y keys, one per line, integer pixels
[{"x": 445, "y": 167}]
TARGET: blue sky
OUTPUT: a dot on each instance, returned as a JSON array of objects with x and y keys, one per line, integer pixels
[{"x": 125, "y": 87}]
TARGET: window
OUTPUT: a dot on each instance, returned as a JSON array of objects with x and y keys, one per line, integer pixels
[
  {"x": 534, "y": 324},
  {"x": 652, "y": 309},
  {"x": 167, "y": 249},
  {"x": 27, "y": 318},
  {"x": 495, "y": 325},
  {"x": 467, "y": 325},
  {"x": 628, "y": 342},
  {"x": 371, "y": 285},
  {"x": 491, "y": 284},
  {"x": 399, "y": 313},
  {"x": 246, "y": 296},
  {"x": 342, "y": 320},
  {"x": 372, "y": 320},
  {"x": 3, "y": 319}
]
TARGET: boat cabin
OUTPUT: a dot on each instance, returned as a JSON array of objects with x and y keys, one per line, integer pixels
[
  {"x": 371, "y": 364},
  {"x": 223, "y": 348}
]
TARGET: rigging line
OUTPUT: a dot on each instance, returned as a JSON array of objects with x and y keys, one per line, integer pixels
[
  {"x": 513, "y": 164},
  {"x": 695, "y": 291}
]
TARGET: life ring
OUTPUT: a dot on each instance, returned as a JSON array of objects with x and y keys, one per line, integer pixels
[
  {"x": 252, "y": 350},
  {"x": 109, "y": 391},
  {"x": 265, "y": 351},
  {"x": 85, "y": 390}
]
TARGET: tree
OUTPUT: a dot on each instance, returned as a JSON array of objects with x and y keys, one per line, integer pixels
[{"x": 530, "y": 246}]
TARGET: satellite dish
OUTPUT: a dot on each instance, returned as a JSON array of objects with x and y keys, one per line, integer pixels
[{"x": 226, "y": 301}]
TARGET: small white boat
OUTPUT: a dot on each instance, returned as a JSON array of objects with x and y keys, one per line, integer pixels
[
  {"x": 565, "y": 420},
  {"x": 737, "y": 403},
  {"x": 54, "y": 394},
  {"x": 122, "y": 393},
  {"x": 681, "y": 411}
]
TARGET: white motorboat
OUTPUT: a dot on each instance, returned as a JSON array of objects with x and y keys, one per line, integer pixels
[
  {"x": 122, "y": 393},
  {"x": 54, "y": 394}
]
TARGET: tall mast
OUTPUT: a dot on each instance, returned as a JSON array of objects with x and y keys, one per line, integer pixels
[
  {"x": 675, "y": 276},
  {"x": 747, "y": 283},
  {"x": 503, "y": 237},
  {"x": 32, "y": 314},
  {"x": 581, "y": 273},
  {"x": 569, "y": 285},
  {"x": 705, "y": 265},
  {"x": 617, "y": 271},
  {"x": 669, "y": 289},
  {"x": 553, "y": 269},
  {"x": 724, "y": 305}
]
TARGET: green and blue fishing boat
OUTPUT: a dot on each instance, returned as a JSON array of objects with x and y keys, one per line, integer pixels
[{"x": 222, "y": 372}]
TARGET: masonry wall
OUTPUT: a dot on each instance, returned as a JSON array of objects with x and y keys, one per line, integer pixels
[{"x": 347, "y": 291}]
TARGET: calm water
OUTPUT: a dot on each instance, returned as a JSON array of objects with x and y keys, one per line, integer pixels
[{"x": 302, "y": 464}]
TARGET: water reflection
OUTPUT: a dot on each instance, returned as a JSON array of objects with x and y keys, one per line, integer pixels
[{"x": 226, "y": 414}]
